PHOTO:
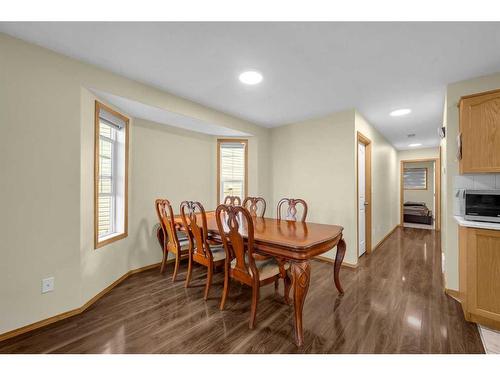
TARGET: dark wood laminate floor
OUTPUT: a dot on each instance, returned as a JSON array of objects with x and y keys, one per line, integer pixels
[{"x": 394, "y": 303}]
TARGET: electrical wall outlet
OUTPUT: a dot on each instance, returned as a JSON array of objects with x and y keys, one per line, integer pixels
[{"x": 47, "y": 285}]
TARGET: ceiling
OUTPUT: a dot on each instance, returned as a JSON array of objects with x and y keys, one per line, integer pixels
[
  {"x": 310, "y": 69},
  {"x": 140, "y": 110}
]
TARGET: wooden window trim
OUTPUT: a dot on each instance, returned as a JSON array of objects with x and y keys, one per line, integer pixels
[
  {"x": 426, "y": 180},
  {"x": 232, "y": 140},
  {"x": 98, "y": 244}
]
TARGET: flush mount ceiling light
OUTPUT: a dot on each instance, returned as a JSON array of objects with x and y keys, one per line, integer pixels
[
  {"x": 250, "y": 77},
  {"x": 414, "y": 144},
  {"x": 400, "y": 112}
]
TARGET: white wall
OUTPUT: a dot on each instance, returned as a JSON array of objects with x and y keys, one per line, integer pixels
[
  {"x": 384, "y": 181},
  {"x": 449, "y": 227},
  {"x": 46, "y": 156}
]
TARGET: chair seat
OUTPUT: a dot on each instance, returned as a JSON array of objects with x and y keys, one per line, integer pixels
[
  {"x": 267, "y": 268},
  {"x": 218, "y": 252},
  {"x": 184, "y": 244},
  {"x": 181, "y": 235}
]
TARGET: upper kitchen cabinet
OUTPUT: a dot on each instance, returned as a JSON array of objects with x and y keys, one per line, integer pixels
[{"x": 479, "y": 136}]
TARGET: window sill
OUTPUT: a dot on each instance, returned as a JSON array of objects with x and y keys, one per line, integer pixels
[{"x": 109, "y": 239}]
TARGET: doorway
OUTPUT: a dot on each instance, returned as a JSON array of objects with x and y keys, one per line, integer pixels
[
  {"x": 420, "y": 189},
  {"x": 364, "y": 194}
]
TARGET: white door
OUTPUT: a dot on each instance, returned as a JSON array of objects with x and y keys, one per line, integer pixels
[{"x": 361, "y": 199}]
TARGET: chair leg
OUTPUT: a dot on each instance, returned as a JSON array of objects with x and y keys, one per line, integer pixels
[
  {"x": 276, "y": 285},
  {"x": 164, "y": 261},
  {"x": 176, "y": 268},
  {"x": 255, "y": 300},
  {"x": 190, "y": 268},
  {"x": 288, "y": 285},
  {"x": 210, "y": 271},
  {"x": 225, "y": 292}
]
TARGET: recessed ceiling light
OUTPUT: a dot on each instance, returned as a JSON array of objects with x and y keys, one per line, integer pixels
[
  {"x": 414, "y": 144},
  {"x": 400, "y": 112},
  {"x": 250, "y": 77}
]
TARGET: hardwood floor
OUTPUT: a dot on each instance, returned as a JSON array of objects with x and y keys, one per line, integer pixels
[{"x": 393, "y": 303}]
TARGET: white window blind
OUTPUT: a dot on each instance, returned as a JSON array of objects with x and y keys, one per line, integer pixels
[
  {"x": 232, "y": 169},
  {"x": 415, "y": 178},
  {"x": 111, "y": 164},
  {"x": 106, "y": 188}
]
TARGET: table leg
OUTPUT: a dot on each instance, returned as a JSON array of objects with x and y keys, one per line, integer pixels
[
  {"x": 301, "y": 271},
  {"x": 338, "y": 262}
]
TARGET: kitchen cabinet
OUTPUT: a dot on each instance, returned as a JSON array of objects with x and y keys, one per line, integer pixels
[
  {"x": 478, "y": 140},
  {"x": 479, "y": 267}
]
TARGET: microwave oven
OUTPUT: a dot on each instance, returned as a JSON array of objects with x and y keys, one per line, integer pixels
[{"x": 482, "y": 205}]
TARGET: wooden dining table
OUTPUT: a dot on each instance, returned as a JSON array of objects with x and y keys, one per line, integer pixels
[{"x": 296, "y": 243}]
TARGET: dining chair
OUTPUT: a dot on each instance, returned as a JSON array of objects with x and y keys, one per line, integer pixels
[
  {"x": 291, "y": 209},
  {"x": 252, "y": 205},
  {"x": 171, "y": 239},
  {"x": 240, "y": 263},
  {"x": 232, "y": 200},
  {"x": 200, "y": 250}
]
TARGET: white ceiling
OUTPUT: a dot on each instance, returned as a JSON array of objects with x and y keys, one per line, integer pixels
[
  {"x": 140, "y": 110},
  {"x": 310, "y": 69}
]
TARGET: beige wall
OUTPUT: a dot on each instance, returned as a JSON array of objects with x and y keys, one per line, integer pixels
[
  {"x": 313, "y": 160},
  {"x": 155, "y": 171},
  {"x": 444, "y": 190},
  {"x": 384, "y": 181},
  {"x": 46, "y": 119},
  {"x": 46, "y": 159},
  {"x": 419, "y": 153},
  {"x": 450, "y": 229},
  {"x": 316, "y": 160},
  {"x": 424, "y": 195},
  {"x": 40, "y": 185}
]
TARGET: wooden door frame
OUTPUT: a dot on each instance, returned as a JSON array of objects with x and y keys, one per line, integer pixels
[
  {"x": 368, "y": 193},
  {"x": 437, "y": 184}
]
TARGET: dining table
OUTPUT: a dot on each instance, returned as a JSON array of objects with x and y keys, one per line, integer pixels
[{"x": 293, "y": 242}]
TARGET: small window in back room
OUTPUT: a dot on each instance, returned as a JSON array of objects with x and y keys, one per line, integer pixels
[
  {"x": 415, "y": 178},
  {"x": 110, "y": 178}
]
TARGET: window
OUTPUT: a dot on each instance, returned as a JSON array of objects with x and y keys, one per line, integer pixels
[
  {"x": 415, "y": 178},
  {"x": 232, "y": 168},
  {"x": 110, "y": 178}
]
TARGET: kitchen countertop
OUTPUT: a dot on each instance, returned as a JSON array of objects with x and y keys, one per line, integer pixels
[{"x": 476, "y": 224}]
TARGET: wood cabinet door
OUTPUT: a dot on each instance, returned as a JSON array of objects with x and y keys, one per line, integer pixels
[
  {"x": 483, "y": 279},
  {"x": 480, "y": 133},
  {"x": 463, "y": 236}
]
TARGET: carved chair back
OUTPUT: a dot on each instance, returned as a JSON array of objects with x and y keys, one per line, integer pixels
[
  {"x": 291, "y": 209},
  {"x": 232, "y": 200},
  {"x": 194, "y": 219},
  {"x": 166, "y": 218},
  {"x": 252, "y": 205},
  {"x": 229, "y": 220}
]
